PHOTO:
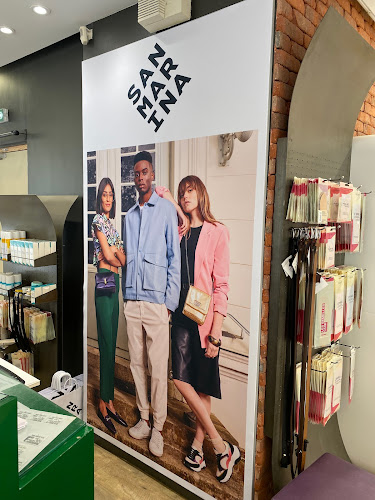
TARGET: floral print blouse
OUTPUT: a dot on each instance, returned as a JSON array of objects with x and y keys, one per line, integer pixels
[{"x": 105, "y": 226}]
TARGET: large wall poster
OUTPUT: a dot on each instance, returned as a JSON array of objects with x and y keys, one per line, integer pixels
[{"x": 169, "y": 100}]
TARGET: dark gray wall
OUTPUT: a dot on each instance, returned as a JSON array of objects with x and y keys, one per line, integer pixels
[
  {"x": 123, "y": 28},
  {"x": 43, "y": 94}
]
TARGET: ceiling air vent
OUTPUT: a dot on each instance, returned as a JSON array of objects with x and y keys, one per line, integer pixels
[{"x": 157, "y": 15}]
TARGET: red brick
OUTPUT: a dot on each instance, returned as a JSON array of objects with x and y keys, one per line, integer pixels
[
  {"x": 321, "y": 8},
  {"x": 364, "y": 117},
  {"x": 364, "y": 35},
  {"x": 312, "y": 3},
  {"x": 312, "y": 15},
  {"x": 282, "y": 90},
  {"x": 283, "y": 24},
  {"x": 262, "y": 393},
  {"x": 359, "y": 126},
  {"x": 297, "y": 51},
  {"x": 298, "y": 4},
  {"x": 279, "y": 106},
  {"x": 361, "y": 133},
  {"x": 268, "y": 230},
  {"x": 279, "y": 121},
  {"x": 260, "y": 419},
  {"x": 288, "y": 61},
  {"x": 269, "y": 213},
  {"x": 372, "y": 90},
  {"x": 372, "y": 122},
  {"x": 266, "y": 294},
  {"x": 336, "y": 6},
  {"x": 273, "y": 151},
  {"x": 276, "y": 134},
  {"x": 304, "y": 24},
  {"x": 260, "y": 432},
  {"x": 260, "y": 406},
  {"x": 266, "y": 282},
  {"x": 306, "y": 41},
  {"x": 271, "y": 182},
  {"x": 264, "y": 323},
  {"x": 369, "y": 109},
  {"x": 263, "y": 350},
  {"x": 280, "y": 73},
  {"x": 272, "y": 166},
  {"x": 292, "y": 79},
  {"x": 284, "y": 9},
  {"x": 368, "y": 130},
  {"x": 268, "y": 243},
  {"x": 267, "y": 267},
  {"x": 282, "y": 41},
  {"x": 358, "y": 18},
  {"x": 350, "y": 20},
  {"x": 270, "y": 196},
  {"x": 345, "y": 4},
  {"x": 370, "y": 31},
  {"x": 265, "y": 314},
  {"x": 267, "y": 256}
]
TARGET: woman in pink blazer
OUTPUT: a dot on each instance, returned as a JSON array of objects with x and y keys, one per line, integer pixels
[{"x": 195, "y": 350}]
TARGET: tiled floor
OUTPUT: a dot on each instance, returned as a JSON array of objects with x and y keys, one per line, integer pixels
[{"x": 117, "y": 479}]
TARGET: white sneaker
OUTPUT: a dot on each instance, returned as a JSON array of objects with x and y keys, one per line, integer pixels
[
  {"x": 226, "y": 461},
  {"x": 141, "y": 430},
  {"x": 156, "y": 444}
]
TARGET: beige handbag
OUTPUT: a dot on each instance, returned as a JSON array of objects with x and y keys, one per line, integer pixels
[{"x": 197, "y": 302}]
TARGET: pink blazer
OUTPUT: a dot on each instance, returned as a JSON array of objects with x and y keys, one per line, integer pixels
[{"x": 211, "y": 272}]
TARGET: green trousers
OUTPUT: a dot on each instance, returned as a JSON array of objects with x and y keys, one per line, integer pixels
[{"x": 107, "y": 311}]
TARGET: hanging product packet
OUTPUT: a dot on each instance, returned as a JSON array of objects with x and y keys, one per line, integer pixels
[
  {"x": 339, "y": 287},
  {"x": 328, "y": 390},
  {"x": 359, "y": 297},
  {"x": 356, "y": 221},
  {"x": 349, "y": 300},
  {"x": 323, "y": 201},
  {"x": 334, "y": 202},
  {"x": 324, "y": 307},
  {"x": 363, "y": 214},
  {"x": 337, "y": 380},
  {"x": 326, "y": 255},
  {"x": 345, "y": 203}
]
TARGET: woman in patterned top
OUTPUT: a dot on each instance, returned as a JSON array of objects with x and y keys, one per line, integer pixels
[{"x": 108, "y": 256}]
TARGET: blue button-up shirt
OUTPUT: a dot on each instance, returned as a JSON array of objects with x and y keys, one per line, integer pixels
[{"x": 152, "y": 248}]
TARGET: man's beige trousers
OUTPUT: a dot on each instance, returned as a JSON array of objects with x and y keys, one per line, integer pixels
[{"x": 148, "y": 340}]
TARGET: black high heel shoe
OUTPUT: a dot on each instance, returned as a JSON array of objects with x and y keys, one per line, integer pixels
[
  {"x": 107, "y": 422},
  {"x": 117, "y": 417}
]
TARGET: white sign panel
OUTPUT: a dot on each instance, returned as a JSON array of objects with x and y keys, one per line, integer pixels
[{"x": 185, "y": 110}]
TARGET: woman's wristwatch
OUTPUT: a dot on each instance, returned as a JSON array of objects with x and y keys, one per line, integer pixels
[{"x": 214, "y": 341}]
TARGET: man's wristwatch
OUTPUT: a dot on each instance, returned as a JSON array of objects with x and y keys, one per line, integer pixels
[{"x": 214, "y": 341}]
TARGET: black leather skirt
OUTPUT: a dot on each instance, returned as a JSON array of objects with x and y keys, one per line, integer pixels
[{"x": 189, "y": 364}]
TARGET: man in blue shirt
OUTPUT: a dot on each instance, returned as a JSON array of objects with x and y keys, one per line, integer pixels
[{"x": 151, "y": 290}]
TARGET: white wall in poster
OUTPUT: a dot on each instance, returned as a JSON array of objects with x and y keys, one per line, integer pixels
[{"x": 224, "y": 62}]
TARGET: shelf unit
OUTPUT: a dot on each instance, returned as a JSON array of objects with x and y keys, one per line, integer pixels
[{"x": 54, "y": 218}]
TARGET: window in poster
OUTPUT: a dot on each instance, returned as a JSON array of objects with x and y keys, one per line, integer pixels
[{"x": 145, "y": 189}]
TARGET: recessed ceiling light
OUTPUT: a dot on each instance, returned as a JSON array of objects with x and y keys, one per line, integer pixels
[
  {"x": 39, "y": 9},
  {"x": 6, "y": 30}
]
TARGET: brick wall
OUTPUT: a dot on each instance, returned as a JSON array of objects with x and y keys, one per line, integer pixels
[{"x": 296, "y": 22}]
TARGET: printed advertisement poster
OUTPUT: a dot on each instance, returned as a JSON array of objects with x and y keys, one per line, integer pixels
[{"x": 176, "y": 141}]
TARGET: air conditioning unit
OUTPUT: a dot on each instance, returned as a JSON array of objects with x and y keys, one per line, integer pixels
[{"x": 157, "y": 15}]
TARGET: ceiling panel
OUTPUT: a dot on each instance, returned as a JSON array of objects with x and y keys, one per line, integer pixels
[{"x": 34, "y": 32}]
